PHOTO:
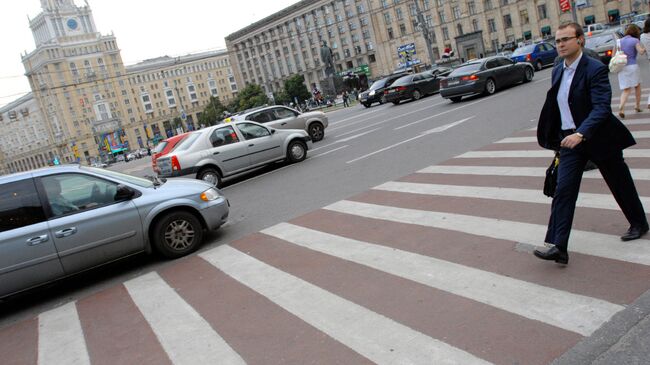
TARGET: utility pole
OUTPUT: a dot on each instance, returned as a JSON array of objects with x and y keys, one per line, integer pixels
[{"x": 425, "y": 30}]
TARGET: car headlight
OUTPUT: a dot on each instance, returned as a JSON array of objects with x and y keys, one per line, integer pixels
[
  {"x": 372, "y": 93},
  {"x": 210, "y": 195}
]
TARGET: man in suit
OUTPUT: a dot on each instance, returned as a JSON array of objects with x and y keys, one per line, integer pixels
[{"x": 577, "y": 120}]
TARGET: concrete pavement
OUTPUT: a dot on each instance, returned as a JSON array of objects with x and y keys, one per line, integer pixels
[{"x": 433, "y": 267}]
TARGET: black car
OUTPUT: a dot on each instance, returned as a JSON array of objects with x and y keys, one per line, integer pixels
[
  {"x": 415, "y": 86},
  {"x": 375, "y": 94},
  {"x": 484, "y": 76}
]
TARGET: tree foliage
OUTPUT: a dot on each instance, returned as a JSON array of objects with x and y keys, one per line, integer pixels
[
  {"x": 249, "y": 97},
  {"x": 213, "y": 112},
  {"x": 294, "y": 87}
]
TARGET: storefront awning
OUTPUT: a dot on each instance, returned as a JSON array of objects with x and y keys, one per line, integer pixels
[
  {"x": 528, "y": 34},
  {"x": 612, "y": 12},
  {"x": 590, "y": 19},
  {"x": 546, "y": 29}
]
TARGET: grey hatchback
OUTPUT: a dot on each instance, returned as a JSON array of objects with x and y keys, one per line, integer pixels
[{"x": 58, "y": 221}]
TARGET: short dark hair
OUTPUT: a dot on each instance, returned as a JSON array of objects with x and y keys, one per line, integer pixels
[
  {"x": 633, "y": 30},
  {"x": 646, "y": 26},
  {"x": 577, "y": 27}
]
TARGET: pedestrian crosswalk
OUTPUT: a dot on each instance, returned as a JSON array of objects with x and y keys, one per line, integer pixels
[{"x": 433, "y": 268}]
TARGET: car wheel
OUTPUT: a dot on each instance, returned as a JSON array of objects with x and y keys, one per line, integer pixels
[
  {"x": 367, "y": 105},
  {"x": 416, "y": 95},
  {"x": 382, "y": 100},
  {"x": 456, "y": 99},
  {"x": 316, "y": 131},
  {"x": 210, "y": 175},
  {"x": 296, "y": 151},
  {"x": 490, "y": 87},
  {"x": 177, "y": 234},
  {"x": 538, "y": 65},
  {"x": 396, "y": 102},
  {"x": 528, "y": 74}
]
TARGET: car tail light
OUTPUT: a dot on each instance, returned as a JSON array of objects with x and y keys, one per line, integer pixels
[
  {"x": 443, "y": 83},
  {"x": 528, "y": 58},
  {"x": 469, "y": 78},
  {"x": 609, "y": 52},
  {"x": 400, "y": 88},
  {"x": 175, "y": 165}
]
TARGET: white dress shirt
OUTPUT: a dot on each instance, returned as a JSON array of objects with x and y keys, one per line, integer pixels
[{"x": 563, "y": 94}]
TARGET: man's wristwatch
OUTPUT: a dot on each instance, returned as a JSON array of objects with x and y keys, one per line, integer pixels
[{"x": 580, "y": 135}]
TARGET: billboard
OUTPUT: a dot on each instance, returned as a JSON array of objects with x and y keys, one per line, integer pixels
[{"x": 565, "y": 5}]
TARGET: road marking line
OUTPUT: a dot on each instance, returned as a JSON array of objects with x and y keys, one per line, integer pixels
[
  {"x": 381, "y": 108},
  {"x": 184, "y": 334},
  {"x": 60, "y": 337},
  {"x": 579, "y": 314},
  {"x": 423, "y": 134},
  {"x": 636, "y": 134},
  {"x": 328, "y": 152},
  {"x": 585, "y": 200},
  {"x": 389, "y": 119},
  {"x": 589, "y": 243},
  {"x": 448, "y": 111},
  {"x": 637, "y": 174},
  {"x": 629, "y": 153},
  {"x": 378, "y": 338}
]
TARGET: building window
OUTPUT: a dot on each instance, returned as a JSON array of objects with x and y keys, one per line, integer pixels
[
  {"x": 523, "y": 16},
  {"x": 402, "y": 29},
  {"x": 191, "y": 90},
  {"x": 390, "y": 33},
  {"x": 171, "y": 101},
  {"x": 398, "y": 14},
  {"x": 445, "y": 33},
  {"x": 541, "y": 11},
  {"x": 471, "y": 7},
  {"x": 492, "y": 26},
  {"x": 459, "y": 28},
  {"x": 507, "y": 21},
  {"x": 387, "y": 18},
  {"x": 384, "y": 4},
  {"x": 456, "y": 12},
  {"x": 475, "y": 25},
  {"x": 488, "y": 5},
  {"x": 146, "y": 102},
  {"x": 441, "y": 14}
]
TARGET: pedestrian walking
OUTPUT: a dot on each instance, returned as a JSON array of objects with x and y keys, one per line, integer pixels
[
  {"x": 577, "y": 121},
  {"x": 630, "y": 76},
  {"x": 346, "y": 99},
  {"x": 645, "y": 42}
]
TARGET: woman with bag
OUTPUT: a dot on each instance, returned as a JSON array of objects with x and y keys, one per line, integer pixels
[
  {"x": 645, "y": 42},
  {"x": 630, "y": 76}
]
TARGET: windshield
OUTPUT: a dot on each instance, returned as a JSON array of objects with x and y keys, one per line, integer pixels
[
  {"x": 119, "y": 176},
  {"x": 596, "y": 42},
  {"x": 524, "y": 50},
  {"x": 378, "y": 84},
  {"x": 160, "y": 147},
  {"x": 466, "y": 69},
  {"x": 187, "y": 142},
  {"x": 403, "y": 81}
]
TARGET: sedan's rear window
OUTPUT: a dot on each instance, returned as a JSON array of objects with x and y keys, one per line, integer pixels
[
  {"x": 465, "y": 69},
  {"x": 524, "y": 50},
  {"x": 403, "y": 81},
  {"x": 160, "y": 147},
  {"x": 378, "y": 84},
  {"x": 187, "y": 142},
  {"x": 599, "y": 41}
]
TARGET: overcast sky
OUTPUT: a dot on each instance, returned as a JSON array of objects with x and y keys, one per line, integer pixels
[{"x": 144, "y": 29}]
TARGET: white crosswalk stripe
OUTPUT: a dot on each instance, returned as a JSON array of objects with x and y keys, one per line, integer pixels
[
  {"x": 645, "y": 153},
  {"x": 376, "y": 337},
  {"x": 61, "y": 338},
  {"x": 590, "y": 243},
  {"x": 636, "y": 135},
  {"x": 184, "y": 334},
  {"x": 586, "y": 200},
  {"x": 582, "y": 315},
  {"x": 637, "y": 174}
]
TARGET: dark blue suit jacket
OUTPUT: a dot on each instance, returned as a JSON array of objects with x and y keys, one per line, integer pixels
[{"x": 590, "y": 98}]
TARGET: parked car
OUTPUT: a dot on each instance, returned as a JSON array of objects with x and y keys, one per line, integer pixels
[
  {"x": 415, "y": 86},
  {"x": 99, "y": 165},
  {"x": 59, "y": 221},
  {"x": 484, "y": 76},
  {"x": 164, "y": 147},
  {"x": 375, "y": 94},
  {"x": 282, "y": 117},
  {"x": 593, "y": 29},
  {"x": 540, "y": 55},
  {"x": 604, "y": 44},
  {"x": 231, "y": 149}
]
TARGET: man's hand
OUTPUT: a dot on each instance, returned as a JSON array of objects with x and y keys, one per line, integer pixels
[{"x": 571, "y": 141}]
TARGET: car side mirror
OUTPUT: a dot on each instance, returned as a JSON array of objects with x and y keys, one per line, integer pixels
[
  {"x": 124, "y": 193},
  {"x": 272, "y": 131}
]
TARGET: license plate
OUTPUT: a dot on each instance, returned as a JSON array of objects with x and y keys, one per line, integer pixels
[
  {"x": 452, "y": 83},
  {"x": 165, "y": 166}
]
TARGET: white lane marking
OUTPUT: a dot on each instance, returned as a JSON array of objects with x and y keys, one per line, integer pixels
[
  {"x": 328, "y": 152},
  {"x": 357, "y": 135},
  {"x": 637, "y": 135},
  {"x": 637, "y": 122},
  {"x": 637, "y": 174},
  {"x": 589, "y": 243},
  {"x": 629, "y": 153},
  {"x": 448, "y": 111},
  {"x": 60, "y": 337},
  {"x": 183, "y": 333},
  {"x": 386, "y": 120},
  {"x": 540, "y": 80},
  {"x": 585, "y": 200},
  {"x": 583, "y": 314},
  {"x": 378, "y": 338},
  {"x": 423, "y": 134},
  {"x": 379, "y": 109}
]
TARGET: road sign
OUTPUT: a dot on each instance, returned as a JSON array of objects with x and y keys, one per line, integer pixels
[{"x": 183, "y": 115}]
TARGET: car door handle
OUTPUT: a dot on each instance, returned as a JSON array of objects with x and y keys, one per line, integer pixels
[
  {"x": 251, "y": 145},
  {"x": 65, "y": 232},
  {"x": 285, "y": 123},
  {"x": 37, "y": 240},
  {"x": 216, "y": 153}
]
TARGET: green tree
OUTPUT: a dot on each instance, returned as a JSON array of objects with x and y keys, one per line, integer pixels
[
  {"x": 294, "y": 87},
  {"x": 213, "y": 112},
  {"x": 249, "y": 97}
]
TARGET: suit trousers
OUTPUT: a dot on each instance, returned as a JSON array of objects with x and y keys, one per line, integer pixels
[{"x": 616, "y": 174}]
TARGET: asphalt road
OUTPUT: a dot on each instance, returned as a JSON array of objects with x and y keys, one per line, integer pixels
[{"x": 362, "y": 149}]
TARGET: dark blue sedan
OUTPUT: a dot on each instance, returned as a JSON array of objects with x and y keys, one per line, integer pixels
[{"x": 539, "y": 55}]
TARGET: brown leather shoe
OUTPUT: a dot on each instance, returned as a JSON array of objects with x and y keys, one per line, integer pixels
[{"x": 553, "y": 254}]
